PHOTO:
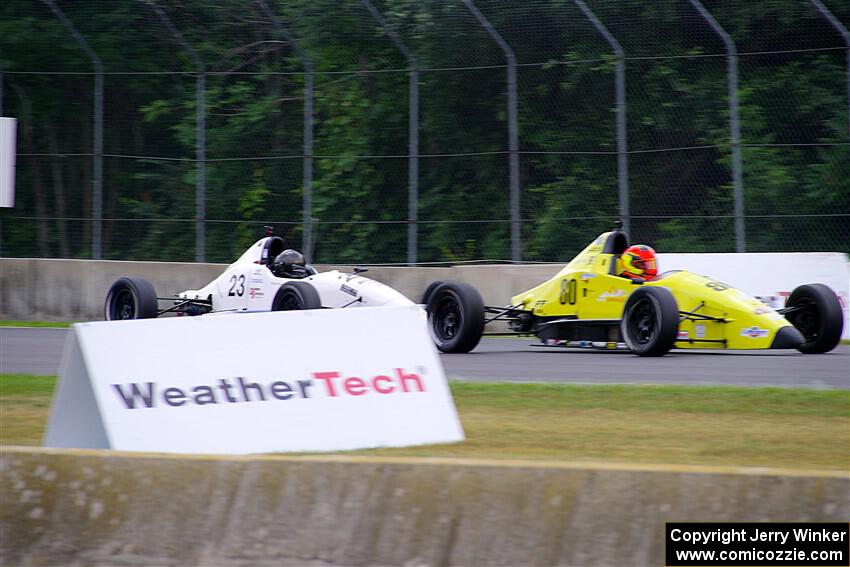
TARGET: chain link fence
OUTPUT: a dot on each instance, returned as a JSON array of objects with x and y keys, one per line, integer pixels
[{"x": 394, "y": 131}]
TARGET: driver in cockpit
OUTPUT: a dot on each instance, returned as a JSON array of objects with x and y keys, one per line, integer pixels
[
  {"x": 638, "y": 262},
  {"x": 290, "y": 264}
]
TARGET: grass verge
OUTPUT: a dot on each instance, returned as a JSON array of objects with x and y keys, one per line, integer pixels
[
  {"x": 24, "y": 405},
  {"x": 13, "y": 323},
  {"x": 769, "y": 427}
]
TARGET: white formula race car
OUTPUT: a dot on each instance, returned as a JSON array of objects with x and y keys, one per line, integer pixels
[{"x": 267, "y": 277}]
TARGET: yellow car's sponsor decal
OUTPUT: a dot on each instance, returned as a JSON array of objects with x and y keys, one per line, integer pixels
[
  {"x": 615, "y": 295},
  {"x": 754, "y": 332}
]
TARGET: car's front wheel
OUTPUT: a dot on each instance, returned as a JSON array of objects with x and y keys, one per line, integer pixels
[
  {"x": 455, "y": 317},
  {"x": 650, "y": 321},
  {"x": 294, "y": 296},
  {"x": 131, "y": 298},
  {"x": 815, "y": 311},
  {"x": 426, "y": 295}
]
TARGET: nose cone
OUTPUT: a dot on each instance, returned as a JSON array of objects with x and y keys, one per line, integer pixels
[{"x": 788, "y": 337}]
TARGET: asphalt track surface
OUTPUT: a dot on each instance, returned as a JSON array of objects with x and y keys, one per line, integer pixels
[
  {"x": 516, "y": 360},
  {"x": 39, "y": 351}
]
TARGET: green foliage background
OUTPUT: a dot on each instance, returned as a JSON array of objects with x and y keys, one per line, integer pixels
[{"x": 793, "y": 93}]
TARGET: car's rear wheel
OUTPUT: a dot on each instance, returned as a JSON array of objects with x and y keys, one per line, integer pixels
[
  {"x": 455, "y": 317},
  {"x": 131, "y": 298},
  {"x": 650, "y": 321},
  {"x": 294, "y": 296},
  {"x": 815, "y": 311}
]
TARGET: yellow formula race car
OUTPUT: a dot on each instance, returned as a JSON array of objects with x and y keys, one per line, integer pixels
[{"x": 588, "y": 304}]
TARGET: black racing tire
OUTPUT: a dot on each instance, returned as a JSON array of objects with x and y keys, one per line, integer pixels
[
  {"x": 455, "y": 317},
  {"x": 293, "y": 296},
  {"x": 426, "y": 295},
  {"x": 131, "y": 298},
  {"x": 650, "y": 321},
  {"x": 818, "y": 316}
]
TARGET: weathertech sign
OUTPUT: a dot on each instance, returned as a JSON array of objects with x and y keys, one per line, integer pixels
[
  {"x": 289, "y": 381},
  {"x": 140, "y": 395}
]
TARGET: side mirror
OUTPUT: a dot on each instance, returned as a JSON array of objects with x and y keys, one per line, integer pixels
[{"x": 360, "y": 270}]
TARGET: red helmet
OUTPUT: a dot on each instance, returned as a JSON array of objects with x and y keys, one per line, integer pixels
[{"x": 639, "y": 262}]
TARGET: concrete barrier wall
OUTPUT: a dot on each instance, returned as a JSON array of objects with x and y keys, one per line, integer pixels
[
  {"x": 98, "y": 508},
  {"x": 75, "y": 290}
]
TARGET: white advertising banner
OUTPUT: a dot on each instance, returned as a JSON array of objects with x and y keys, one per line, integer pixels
[
  {"x": 771, "y": 276},
  {"x": 320, "y": 380},
  {"x": 7, "y": 162}
]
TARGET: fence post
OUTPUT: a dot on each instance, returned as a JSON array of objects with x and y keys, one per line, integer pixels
[
  {"x": 513, "y": 129},
  {"x": 200, "y": 134},
  {"x": 97, "y": 158},
  {"x": 1, "y": 114},
  {"x": 839, "y": 27},
  {"x": 412, "y": 135},
  {"x": 734, "y": 123},
  {"x": 620, "y": 103},
  {"x": 307, "y": 244}
]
